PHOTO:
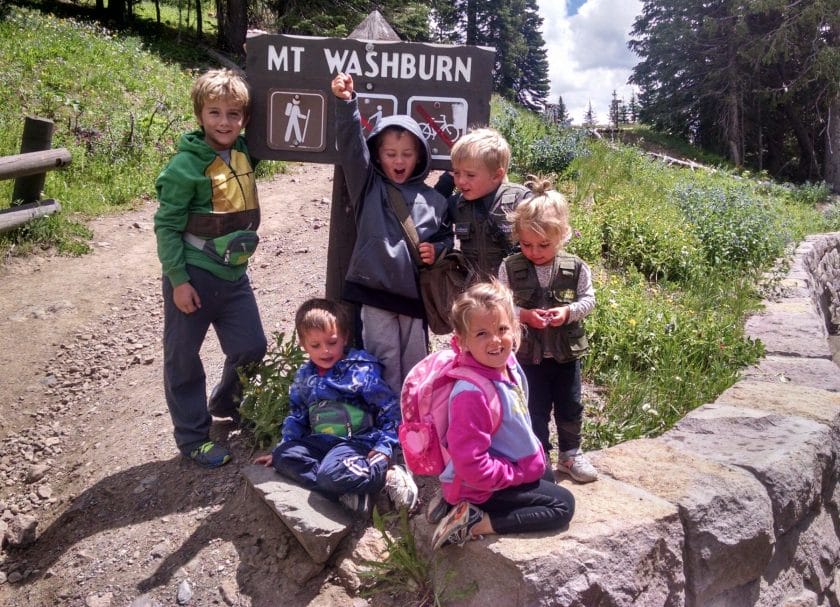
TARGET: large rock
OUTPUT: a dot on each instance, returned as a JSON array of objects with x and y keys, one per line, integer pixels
[
  {"x": 811, "y": 372},
  {"x": 790, "y": 327},
  {"x": 788, "y": 455},
  {"x": 787, "y": 399},
  {"x": 319, "y": 524},
  {"x": 726, "y": 515},
  {"x": 623, "y": 547}
]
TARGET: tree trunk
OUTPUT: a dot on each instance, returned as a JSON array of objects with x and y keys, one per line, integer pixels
[
  {"x": 831, "y": 173},
  {"x": 232, "y": 24},
  {"x": 808, "y": 165},
  {"x": 472, "y": 25},
  {"x": 199, "y": 25},
  {"x": 116, "y": 11}
]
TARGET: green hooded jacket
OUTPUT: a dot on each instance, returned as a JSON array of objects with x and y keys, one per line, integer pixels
[{"x": 198, "y": 184}]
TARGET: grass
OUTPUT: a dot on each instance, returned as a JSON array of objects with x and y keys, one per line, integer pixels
[
  {"x": 679, "y": 260},
  {"x": 119, "y": 103}
]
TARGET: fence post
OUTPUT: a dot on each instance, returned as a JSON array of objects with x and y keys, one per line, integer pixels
[{"x": 37, "y": 137}]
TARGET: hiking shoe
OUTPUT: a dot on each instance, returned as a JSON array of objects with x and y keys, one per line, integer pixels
[
  {"x": 576, "y": 465},
  {"x": 437, "y": 508},
  {"x": 210, "y": 455},
  {"x": 455, "y": 527},
  {"x": 401, "y": 487},
  {"x": 358, "y": 503}
]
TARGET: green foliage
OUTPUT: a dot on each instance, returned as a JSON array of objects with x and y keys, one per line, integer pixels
[
  {"x": 405, "y": 571},
  {"x": 661, "y": 351},
  {"x": 537, "y": 147},
  {"x": 736, "y": 228},
  {"x": 265, "y": 393},
  {"x": 667, "y": 332},
  {"x": 119, "y": 108}
]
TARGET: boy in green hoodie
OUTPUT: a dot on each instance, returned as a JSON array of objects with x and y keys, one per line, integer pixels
[{"x": 206, "y": 231}]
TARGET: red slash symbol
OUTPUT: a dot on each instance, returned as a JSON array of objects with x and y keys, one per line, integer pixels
[{"x": 431, "y": 121}]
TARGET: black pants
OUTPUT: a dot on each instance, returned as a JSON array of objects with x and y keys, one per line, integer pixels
[
  {"x": 537, "y": 506},
  {"x": 555, "y": 388}
]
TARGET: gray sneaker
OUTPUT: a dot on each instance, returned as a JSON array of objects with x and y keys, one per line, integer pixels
[
  {"x": 578, "y": 467},
  {"x": 357, "y": 503},
  {"x": 401, "y": 487}
]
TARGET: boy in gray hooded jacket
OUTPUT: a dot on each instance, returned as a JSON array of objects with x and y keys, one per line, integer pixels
[{"x": 382, "y": 276}]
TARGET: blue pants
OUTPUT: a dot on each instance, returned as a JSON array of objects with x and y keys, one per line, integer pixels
[
  {"x": 555, "y": 388},
  {"x": 230, "y": 307},
  {"x": 330, "y": 465}
]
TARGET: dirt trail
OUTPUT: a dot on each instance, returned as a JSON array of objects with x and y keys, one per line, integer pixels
[{"x": 87, "y": 450}]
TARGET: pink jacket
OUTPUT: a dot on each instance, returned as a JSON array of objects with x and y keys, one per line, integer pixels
[{"x": 484, "y": 461}]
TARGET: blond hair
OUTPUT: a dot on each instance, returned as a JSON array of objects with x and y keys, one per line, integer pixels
[
  {"x": 217, "y": 84},
  {"x": 321, "y": 315},
  {"x": 487, "y": 296},
  {"x": 546, "y": 212},
  {"x": 485, "y": 145}
]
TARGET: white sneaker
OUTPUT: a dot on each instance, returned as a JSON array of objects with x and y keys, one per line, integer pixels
[
  {"x": 401, "y": 487},
  {"x": 576, "y": 465}
]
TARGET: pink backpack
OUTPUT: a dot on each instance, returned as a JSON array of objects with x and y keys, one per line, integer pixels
[{"x": 424, "y": 401}]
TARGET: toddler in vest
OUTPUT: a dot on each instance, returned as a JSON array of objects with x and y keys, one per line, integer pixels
[
  {"x": 341, "y": 431},
  {"x": 496, "y": 479},
  {"x": 553, "y": 293},
  {"x": 479, "y": 211}
]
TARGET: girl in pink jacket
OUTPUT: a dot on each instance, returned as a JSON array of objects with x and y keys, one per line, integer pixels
[{"x": 496, "y": 480}]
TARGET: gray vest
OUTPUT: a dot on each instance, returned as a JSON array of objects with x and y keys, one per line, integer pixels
[
  {"x": 485, "y": 242},
  {"x": 564, "y": 343}
]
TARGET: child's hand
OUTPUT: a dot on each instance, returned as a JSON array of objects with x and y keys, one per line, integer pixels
[
  {"x": 427, "y": 252},
  {"x": 342, "y": 86},
  {"x": 558, "y": 316},
  {"x": 264, "y": 460},
  {"x": 538, "y": 319},
  {"x": 186, "y": 298}
]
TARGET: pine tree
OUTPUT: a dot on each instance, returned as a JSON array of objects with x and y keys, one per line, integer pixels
[
  {"x": 615, "y": 109},
  {"x": 561, "y": 114},
  {"x": 589, "y": 117},
  {"x": 512, "y": 27},
  {"x": 752, "y": 80},
  {"x": 633, "y": 109}
]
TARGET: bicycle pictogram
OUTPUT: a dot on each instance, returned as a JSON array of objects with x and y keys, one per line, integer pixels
[{"x": 448, "y": 130}]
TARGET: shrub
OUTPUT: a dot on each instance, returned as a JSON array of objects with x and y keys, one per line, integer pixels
[
  {"x": 554, "y": 152},
  {"x": 265, "y": 393},
  {"x": 649, "y": 236},
  {"x": 737, "y": 229}
]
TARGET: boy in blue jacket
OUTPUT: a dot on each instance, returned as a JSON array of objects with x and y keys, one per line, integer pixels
[
  {"x": 382, "y": 275},
  {"x": 341, "y": 431}
]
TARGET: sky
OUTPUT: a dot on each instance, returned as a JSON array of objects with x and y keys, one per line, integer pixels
[{"x": 587, "y": 52}]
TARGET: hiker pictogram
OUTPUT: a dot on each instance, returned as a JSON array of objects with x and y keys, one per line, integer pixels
[{"x": 297, "y": 121}]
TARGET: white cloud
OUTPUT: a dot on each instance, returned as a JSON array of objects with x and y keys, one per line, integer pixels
[{"x": 587, "y": 53}]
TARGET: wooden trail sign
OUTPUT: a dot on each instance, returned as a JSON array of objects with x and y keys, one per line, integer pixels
[{"x": 445, "y": 88}]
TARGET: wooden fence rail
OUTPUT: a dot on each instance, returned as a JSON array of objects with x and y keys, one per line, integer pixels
[{"x": 28, "y": 169}]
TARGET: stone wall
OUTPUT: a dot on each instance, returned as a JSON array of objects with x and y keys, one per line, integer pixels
[{"x": 737, "y": 505}]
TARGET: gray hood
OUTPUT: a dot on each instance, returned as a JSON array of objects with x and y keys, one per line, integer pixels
[{"x": 409, "y": 124}]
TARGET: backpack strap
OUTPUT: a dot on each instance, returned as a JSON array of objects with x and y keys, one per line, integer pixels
[
  {"x": 486, "y": 386},
  {"x": 400, "y": 209}
]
